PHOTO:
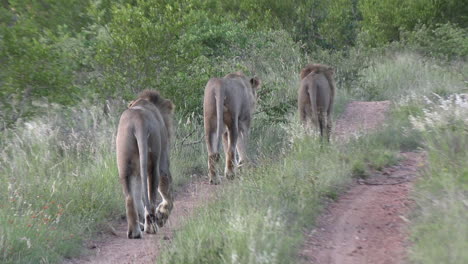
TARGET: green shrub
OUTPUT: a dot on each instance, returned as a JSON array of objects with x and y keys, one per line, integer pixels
[
  {"x": 340, "y": 26},
  {"x": 382, "y": 20},
  {"x": 443, "y": 40}
]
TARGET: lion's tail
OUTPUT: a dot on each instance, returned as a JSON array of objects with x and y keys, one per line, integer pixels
[
  {"x": 219, "y": 117},
  {"x": 142, "y": 142},
  {"x": 312, "y": 91}
]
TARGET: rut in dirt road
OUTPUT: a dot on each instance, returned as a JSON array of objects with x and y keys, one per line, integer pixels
[
  {"x": 114, "y": 247},
  {"x": 368, "y": 223}
]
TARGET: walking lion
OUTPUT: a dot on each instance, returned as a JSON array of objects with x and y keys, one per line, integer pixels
[
  {"x": 315, "y": 97},
  {"x": 227, "y": 110},
  {"x": 143, "y": 141}
]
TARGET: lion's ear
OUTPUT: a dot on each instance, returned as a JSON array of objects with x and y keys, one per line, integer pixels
[
  {"x": 305, "y": 72},
  {"x": 130, "y": 104},
  {"x": 168, "y": 105},
  {"x": 255, "y": 82}
]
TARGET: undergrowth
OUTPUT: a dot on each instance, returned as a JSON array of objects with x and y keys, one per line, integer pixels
[{"x": 439, "y": 229}]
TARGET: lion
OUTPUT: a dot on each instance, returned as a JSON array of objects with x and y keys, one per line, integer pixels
[
  {"x": 315, "y": 97},
  {"x": 228, "y": 103},
  {"x": 143, "y": 141}
]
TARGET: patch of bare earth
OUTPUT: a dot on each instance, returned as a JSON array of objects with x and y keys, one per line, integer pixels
[
  {"x": 359, "y": 118},
  {"x": 368, "y": 223},
  {"x": 114, "y": 247}
]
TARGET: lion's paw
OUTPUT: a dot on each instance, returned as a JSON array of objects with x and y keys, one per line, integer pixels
[
  {"x": 134, "y": 234},
  {"x": 150, "y": 224},
  {"x": 162, "y": 213},
  {"x": 214, "y": 180},
  {"x": 230, "y": 175}
]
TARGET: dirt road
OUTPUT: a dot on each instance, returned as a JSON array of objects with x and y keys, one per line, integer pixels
[
  {"x": 368, "y": 223},
  {"x": 363, "y": 226},
  {"x": 114, "y": 247}
]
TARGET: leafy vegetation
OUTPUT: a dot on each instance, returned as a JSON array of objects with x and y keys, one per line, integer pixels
[{"x": 64, "y": 51}]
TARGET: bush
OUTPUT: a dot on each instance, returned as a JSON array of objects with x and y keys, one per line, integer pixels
[
  {"x": 443, "y": 40},
  {"x": 382, "y": 21}
]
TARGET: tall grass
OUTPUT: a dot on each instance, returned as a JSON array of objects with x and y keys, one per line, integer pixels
[
  {"x": 439, "y": 229},
  {"x": 59, "y": 182},
  {"x": 397, "y": 75},
  {"x": 57, "y": 176}
]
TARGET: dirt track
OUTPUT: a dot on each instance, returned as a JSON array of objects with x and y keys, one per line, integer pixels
[
  {"x": 115, "y": 248},
  {"x": 365, "y": 226},
  {"x": 368, "y": 223}
]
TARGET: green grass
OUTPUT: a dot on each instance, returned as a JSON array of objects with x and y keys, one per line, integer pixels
[
  {"x": 398, "y": 75},
  {"x": 259, "y": 217},
  {"x": 57, "y": 185},
  {"x": 439, "y": 229}
]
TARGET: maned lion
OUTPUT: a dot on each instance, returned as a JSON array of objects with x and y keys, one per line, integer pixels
[
  {"x": 229, "y": 102},
  {"x": 143, "y": 138},
  {"x": 315, "y": 97}
]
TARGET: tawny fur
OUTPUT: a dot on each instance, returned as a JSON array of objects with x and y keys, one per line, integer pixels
[
  {"x": 143, "y": 145},
  {"x": 228, "y": 103},
  {"x": 315, "y": 97}
]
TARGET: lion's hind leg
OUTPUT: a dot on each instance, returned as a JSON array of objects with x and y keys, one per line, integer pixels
[
  {"x": 329, "y": 127},
  {"x": 138, "y": 189},
  {"x": 322, "y": 123},
  {"x": 213, "y": 157},
  {"x": 153, "y": 183},
  {"x": 165, "y": 207},
  {"x": 231, "y": 151},
  {"x": 242, "y": 144},
  {"x": 132, "y": 198},
  {"x": 325, "y": 126}
]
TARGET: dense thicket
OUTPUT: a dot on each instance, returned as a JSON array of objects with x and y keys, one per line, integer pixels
[{"x": 64, "y": 51}]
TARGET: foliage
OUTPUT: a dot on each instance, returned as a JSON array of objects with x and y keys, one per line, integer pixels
[
  {"x": 444, "y": 40},
  {"x": 57, "y": 183},
  {"x": 340, "y": 26},
  {"x": 64, "y": 51},
  {"x": 383, "y": 20}
]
